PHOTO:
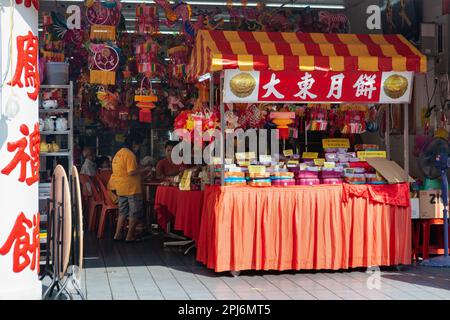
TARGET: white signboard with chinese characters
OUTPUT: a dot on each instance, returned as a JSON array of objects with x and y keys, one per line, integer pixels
[
  {"x": 19, "y": 151},
  {"x": 317, "y": 87}
]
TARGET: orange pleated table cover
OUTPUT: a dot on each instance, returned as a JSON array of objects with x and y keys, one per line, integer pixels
[{"x": 304, "y": 227}]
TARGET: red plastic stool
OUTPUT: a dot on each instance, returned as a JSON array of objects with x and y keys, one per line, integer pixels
[{"x": 426, "y": 249}]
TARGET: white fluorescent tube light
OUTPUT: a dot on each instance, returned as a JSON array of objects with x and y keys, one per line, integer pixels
[
  {"x": 204, "y": 77},
  {"x": 312, "y": 6}
]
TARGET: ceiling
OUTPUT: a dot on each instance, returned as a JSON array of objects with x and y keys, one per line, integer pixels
[{"x": 128, "y": 7}]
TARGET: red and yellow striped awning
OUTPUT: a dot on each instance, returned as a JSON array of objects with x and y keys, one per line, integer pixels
[{"x": 217, "y": 50}]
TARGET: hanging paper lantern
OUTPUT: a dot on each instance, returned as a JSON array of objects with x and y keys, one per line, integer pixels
[
  {"x": 147, "y": 56},
  {"x": 282, "y": 120},
  {"x": 147, "y": 19},
  {"x": 178, "y": 61},
  {"x": 104, "y": 62},
  {"x": 353, "y": 119},
  {"x": 145, "y": 99},
  {"x": 317, "y": 118}
]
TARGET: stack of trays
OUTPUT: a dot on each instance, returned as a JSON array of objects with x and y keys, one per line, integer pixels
[
  {"x": 283, "y": 179},
  {"x": 259, "y": 179},
  {"x": 308, "y": 177},
  {"x": 355, "y": 178},
  {"x": 375, "y": 179},
  {"x": 331, "y": 175},
  {"x": 232, "y": 178}
]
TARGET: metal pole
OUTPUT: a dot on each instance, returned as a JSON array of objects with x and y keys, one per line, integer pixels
[
  {"x": 387, "y": 135},
  {"x": 222, "y": 130},
  {"x": 406, "y": 140},
  {"x": 306, "y": 137}
]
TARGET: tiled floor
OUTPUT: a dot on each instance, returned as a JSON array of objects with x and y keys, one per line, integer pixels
[{"x": 147, "y": 271}]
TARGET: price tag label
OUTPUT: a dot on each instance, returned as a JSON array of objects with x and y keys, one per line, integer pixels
[
  {"x": 349, "y": 171},
  {"x": 288, "y": 153},
  {"x": 257, "y": 169},
  {"x": 363, "y": 155},
  {"x": 250, "y": 155},
  {"x": 265, "y": 158},
  {"x": 185, "y": 183},
  {"x": 319, "y": 162},
  {"x": 243, "y": 163},
  {"x": 240, "y": 156},
  {"x": 294, "y": 162},
  {"x": 303, "y": 166},
  {"x": 310, "y": 155},
  {"x": 335, "y": 143},
  {"x": 329, "y": 164}
]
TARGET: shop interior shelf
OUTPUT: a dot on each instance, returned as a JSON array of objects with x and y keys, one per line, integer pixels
[
  {"x": 55, "y": 86},
  {"x": 64, "y": 153},
  {"x": 55, "y": 132},
  {"x": 54, "y": 110}
]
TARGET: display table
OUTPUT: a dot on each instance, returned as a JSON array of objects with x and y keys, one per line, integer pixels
[
  {"x": 305, "y": 227},
  {"x": 185, "y": 207}
]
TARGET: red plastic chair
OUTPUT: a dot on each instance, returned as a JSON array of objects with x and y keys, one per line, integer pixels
[
  {"x": 91, "y": 199},
  {"x": 86, "y": 192},
  {"x": 95, "y": 201},
  {"x": 108, "y": 207},
  {"x": 104, "y": 175}
]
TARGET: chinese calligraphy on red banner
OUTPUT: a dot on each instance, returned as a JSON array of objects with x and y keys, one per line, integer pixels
[
  {"x": 23, "y": 244},
  {"x": 22, "y": 158},
  {"x": 27, "y": 64},
  {"x": 317, "y": 86}
]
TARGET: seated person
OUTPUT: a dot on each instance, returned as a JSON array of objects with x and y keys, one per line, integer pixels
[
  {"x": 89, "y": 167},
  {"x": 104, "y": 169},
  {"x": 103, "y": 163},
  {"x": 165, "y": 168}
]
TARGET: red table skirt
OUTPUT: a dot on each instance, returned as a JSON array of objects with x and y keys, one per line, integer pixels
[
  {"x": 185, "y": 207},
  {"x": 304, "y": 227}
]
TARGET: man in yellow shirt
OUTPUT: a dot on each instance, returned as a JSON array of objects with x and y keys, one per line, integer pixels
[{"x": 126, "y": 181}]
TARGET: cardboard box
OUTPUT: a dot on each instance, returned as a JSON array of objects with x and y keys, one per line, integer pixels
[
  {"x": 430, "y": 204},
  {"x": 389, "y": 170},
  {"x": 415, "y": 208}
]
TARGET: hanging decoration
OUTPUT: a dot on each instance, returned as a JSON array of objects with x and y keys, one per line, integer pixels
[
  {"x": 178, "y": 60},
  {"x": 174, "y": 104},
  {"x": 145, "y": 98},
  {"x": 317, "y": 117},
  {"x": 147, "y": 56},
  {"x": 334, "y": 22},
  {"x": 282, "y": 120},
  {"x": 53, "y": 48},
  {"x": 147, "y": 21},
  {"x": 353, "y": 119},
  {"x": 103, "y": 63},
  {"x": 103, "y": 18},
  {"x": 252, "y": 117}
]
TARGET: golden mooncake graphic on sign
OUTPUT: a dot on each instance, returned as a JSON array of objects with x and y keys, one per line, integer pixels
[
  {"x": 242, "y": 85},
  {"x": 395, "y": 86}
]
